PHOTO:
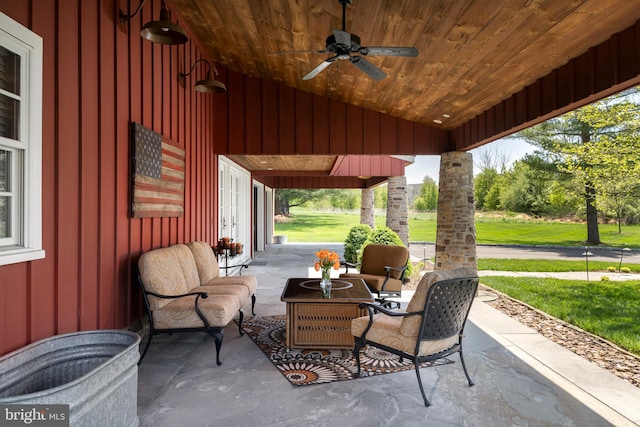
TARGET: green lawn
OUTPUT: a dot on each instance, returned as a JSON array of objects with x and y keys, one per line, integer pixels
[
  {"x": 307, "y": 225},
  {"x": 607, "y": 309}
]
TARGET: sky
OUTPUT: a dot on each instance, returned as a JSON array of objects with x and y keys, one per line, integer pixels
[{"x": 514, "y": 149}]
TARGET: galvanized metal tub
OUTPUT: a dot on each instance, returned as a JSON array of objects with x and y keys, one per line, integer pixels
[{"x": 94, "y": 372}]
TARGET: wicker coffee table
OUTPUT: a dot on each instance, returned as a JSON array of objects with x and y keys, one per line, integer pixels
[{"x": 316, "y": 322}]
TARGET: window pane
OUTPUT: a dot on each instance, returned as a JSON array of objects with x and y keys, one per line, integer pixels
[
  {"x": 5, "y": 224},
  {"x": 9, "y": 71},
  {"x": 9, "y": 117},
  {"x": 5, "y": 170}
]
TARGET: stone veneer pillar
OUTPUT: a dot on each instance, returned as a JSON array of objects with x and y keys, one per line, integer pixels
[
  {"x": 397, "y": 210},
  {"x": 367, "y": 213},
  {"x": 456, "y": 231}
]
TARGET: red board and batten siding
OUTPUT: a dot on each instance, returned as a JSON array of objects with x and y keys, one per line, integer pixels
[
  {"x": 99, "y": 76},
  {"x": 268, "y": 118}
]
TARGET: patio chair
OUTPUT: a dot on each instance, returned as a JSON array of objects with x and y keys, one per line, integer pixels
[
  {"x": 382, "y": 268},
  {"x": 432, "y": 326}
]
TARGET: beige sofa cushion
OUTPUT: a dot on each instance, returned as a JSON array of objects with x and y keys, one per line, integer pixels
[
  {"x": 250, "y": 283},
  {"x": 411, "y": 324},
  {"x": 187, "y": 264},
  {"x": 161, "y": 273},
  {"x": 206, "y": 261},
  {"x": 386, "y": 331},
  {"x": 219, "y": 310},
  {"x": 240, "y": 292}
]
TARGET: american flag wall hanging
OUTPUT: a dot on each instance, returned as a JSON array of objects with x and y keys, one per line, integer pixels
[{"x": 158, "y": 175}]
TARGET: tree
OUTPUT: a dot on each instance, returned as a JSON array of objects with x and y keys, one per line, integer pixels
[
  {"x": 493, "y": 159},
  {"x": 598, "y": 145},
  {"x": 482, "y": 183},
  {"x": 288, "y": 197},
  {"x": 428, "y": 197},
  {"x": 523, "y": 190},
  {"x": 380, "y": 196}
]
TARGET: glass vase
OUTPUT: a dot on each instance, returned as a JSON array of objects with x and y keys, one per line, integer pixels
[{"x": 325, "y": 283}]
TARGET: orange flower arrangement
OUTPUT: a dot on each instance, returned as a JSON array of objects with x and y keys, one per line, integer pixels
[{"x": 326, "y": 260}]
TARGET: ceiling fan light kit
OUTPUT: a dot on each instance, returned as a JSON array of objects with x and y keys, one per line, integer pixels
[{"x": 344, "y": 45}]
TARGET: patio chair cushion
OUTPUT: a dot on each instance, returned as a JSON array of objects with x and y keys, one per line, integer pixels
[
  {"x": 411, "y": 324},
  {"x": 386, "y": 331},
  {"x": 219, "y": 310},
  {"x": 375, "y": 282},
  {"x": 375, "y": 257}
]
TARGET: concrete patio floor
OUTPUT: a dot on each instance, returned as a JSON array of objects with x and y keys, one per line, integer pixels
[{"x": 522, "y": 379}]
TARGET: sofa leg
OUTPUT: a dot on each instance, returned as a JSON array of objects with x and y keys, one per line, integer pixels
[
  {"x": 253, "y": 304},
  {"x": 240, "y": 322},
  {"x": 217, "y": 336}
]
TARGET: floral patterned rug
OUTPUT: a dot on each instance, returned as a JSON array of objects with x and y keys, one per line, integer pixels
[{"x": 306, "y": 367}]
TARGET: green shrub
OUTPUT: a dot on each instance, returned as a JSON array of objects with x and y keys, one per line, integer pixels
[
  {"x": 604, "y": 278},
  {"x": 625, "y": 270},
  {"x": 611, "y": 269},
  {"x": 354, "y": 241}
]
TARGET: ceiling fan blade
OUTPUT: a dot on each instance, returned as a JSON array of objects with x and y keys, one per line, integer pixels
[
  {"x": 299, "y": 51},
  {"x": 342, "y": 37},
  {"x": 324, "y": 64},
  {"x": 388, "y": 51},
  {"x": 368, "y": 68}
]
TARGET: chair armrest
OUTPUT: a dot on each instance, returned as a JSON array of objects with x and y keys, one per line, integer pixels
[
  {"x": 196, "y": 307},
  {"x": 200, "y": 294},
  {"x": 388, "y": 269},
  {"x": 349, "y": 264},
  {"x": 373, "y": 308}
]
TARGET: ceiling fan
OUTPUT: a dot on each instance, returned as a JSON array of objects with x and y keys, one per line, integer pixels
[{"x": 344, "y": 45}]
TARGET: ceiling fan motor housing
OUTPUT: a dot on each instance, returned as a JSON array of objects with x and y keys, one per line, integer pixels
[{"x": 340, "y": 49}]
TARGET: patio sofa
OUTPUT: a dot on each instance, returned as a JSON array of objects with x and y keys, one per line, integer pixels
[{"x": 183, "y": 292}]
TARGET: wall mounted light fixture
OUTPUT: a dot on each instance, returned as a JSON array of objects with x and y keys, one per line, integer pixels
[
  {"x": 208, "y": 85},
  {"x": 161, "y": 31}
]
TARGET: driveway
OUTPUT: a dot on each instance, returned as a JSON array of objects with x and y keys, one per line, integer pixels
[{"x": 420, "y": 250}]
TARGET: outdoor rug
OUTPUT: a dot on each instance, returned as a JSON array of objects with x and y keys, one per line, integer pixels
[{"x": 306, "y": 367}]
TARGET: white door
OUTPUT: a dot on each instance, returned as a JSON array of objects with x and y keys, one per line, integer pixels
[{"x": 234, "y": 205}]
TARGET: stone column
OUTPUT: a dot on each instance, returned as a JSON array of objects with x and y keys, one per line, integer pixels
[
  {"x": 456, "y": 231},
  {"x": 367, "y": 214},
  {"x": 397, "y": 210}
]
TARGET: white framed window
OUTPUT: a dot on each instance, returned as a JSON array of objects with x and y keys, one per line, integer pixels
[{"x": 20, "y": 143}]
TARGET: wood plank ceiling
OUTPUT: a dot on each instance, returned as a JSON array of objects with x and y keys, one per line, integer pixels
[{"x": 473, "y": 54}]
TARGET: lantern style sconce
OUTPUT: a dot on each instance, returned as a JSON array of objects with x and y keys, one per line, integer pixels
[
  {"x": 162, "y": 31},
  {"x": 208, "y": 85}
]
